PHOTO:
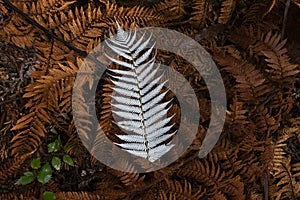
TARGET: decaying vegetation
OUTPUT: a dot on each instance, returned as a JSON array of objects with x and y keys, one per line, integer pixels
[{"x": 257, "y": 156}]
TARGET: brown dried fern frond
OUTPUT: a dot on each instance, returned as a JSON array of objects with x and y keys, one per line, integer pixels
[
  {"x": 255, "y": 13},
  {"x": 211, "y": 176},
  {"x": 131, "y": 178},
  {"x": 265, "y": 123},
  {"x": 173, "y": 189},
  {"x": 9, "y": 167},
  {"x": 280, "y": 68},
  {"x": 226, "y": 11},
  {"x": 200, "y": 15},
  {"x": 24, "y": 194},
  {"x": 252, "y": 87},
  {"x": 297, "y": 2},
  {"x": 237, "y": 113},
  {"x": 173, "y": 9},
  {"x": 79, "y": 27},
  {"x": 18, "y": 29},
  {"x": 48, "y": 97},
  {"x": 80, "y": 195},
  {"x": 286, "y": 184}
]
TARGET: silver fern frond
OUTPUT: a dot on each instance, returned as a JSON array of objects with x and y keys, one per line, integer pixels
[{"x": 137, "y": 97}]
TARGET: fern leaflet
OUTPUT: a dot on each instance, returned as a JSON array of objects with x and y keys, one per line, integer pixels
[{"x": 137, "y": 97}]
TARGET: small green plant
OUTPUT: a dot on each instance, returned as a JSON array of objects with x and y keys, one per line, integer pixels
[{"x": 43, "y": 171}]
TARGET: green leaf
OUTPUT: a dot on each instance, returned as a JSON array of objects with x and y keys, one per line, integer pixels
[
  {"x": 26, "y": 179},
  {"x": 48, "y": 196},
  {"x": 35, "y": 163},
  {"x": 54, "y": 146},
  {"x": 67, "y": 159},
  {"x": 45, "y": 174},
  {"x": 56, "y": 163}
]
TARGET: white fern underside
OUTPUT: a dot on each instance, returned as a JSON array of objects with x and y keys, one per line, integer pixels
[{"x": 137, "y": 97}]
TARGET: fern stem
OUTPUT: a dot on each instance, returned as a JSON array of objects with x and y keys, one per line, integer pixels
[
  {"x": 266, "y": 185},
  {"x": 141, "y": 110},
  {"x": 286, "y": 10},
  {"x": 291, "y": 181}
]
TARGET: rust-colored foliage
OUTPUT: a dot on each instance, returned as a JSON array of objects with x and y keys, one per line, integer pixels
[{"x": 257, "y": 155}]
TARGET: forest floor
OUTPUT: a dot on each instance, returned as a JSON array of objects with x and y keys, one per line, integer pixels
[{"x": 17, "y": 63}]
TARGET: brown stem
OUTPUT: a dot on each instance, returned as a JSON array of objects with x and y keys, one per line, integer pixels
[
  {"x": 266, "y": 185},
  {"x": 286, "y": 10},
  {"x": 45, "y": 30}
]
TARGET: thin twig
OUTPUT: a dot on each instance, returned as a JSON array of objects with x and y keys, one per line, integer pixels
[
  {"x": 266, "y": 186},
  {"x": 50, "y": 34},
  {"x": 45, "y": 30},
  {"x": 286, "y": 10}
]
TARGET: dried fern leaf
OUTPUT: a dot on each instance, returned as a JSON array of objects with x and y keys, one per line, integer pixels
[
  {"x": 278, "y": 61},
  {"x": 48, "y": 97},
  {"x": 172, "y": 8},
  {"x": 227, "y": 9},
  {"x": 297, "y": 2},
  {"x": 251, "y": 85},
  {"x": 200, "y": 14},
  {"x": 265, "y": 122},
  {"x": 175, "y": 190},
  {"x": 131, "y": 177},
  {"x": 137, "y": 96},
  {"x": 286, "y": 183},
  {"x": 80, "y": 195},
  {"x": 9, "y": 168},
  {"x": 77, "y": 27},
  {"x": 214, "y": 178}
]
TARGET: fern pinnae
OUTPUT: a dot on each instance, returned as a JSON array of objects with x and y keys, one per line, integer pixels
[{"x": 137, "y": 97}]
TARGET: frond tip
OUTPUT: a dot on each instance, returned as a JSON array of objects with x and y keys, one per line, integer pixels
[{"x": 137, "y": 97}]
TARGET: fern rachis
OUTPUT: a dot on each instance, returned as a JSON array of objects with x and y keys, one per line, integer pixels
[{"x": 137, "y": 97}]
